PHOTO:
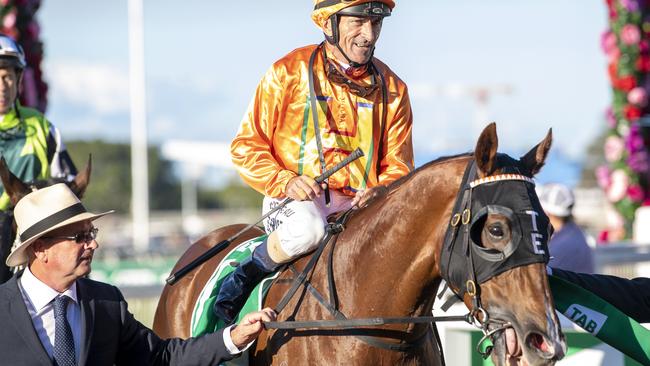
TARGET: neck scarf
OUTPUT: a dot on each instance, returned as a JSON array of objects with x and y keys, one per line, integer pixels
[{"x": 352, "y": 77}]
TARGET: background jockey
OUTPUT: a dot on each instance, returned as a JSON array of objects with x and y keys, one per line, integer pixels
[
  {"x": 30, "y": 144},
  {"x": 568, "y": 246},
  {"x": 279, "y": 148}
]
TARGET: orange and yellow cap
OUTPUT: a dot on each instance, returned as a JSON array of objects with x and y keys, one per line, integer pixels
[{"x": 324, "y": 9}]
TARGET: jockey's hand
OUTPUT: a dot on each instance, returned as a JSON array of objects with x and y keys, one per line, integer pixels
[
  {"x": 250, "y": 327},
  {"x": 363, "y": 197},
  {"x": 302, "y": 188},
  {"x": 359, "y": 197}
]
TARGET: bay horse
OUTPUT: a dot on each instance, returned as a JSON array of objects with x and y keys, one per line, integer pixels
[
  {"x": 17, "y": 189},
  {"x": 388, "y": 263}
]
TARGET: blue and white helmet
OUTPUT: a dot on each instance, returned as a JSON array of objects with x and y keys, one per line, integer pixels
[
  {"x": 556, "y": 199},
  {"x": 11, "y": 54}
]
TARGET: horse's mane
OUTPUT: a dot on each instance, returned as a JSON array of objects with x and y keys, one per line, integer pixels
[
  {"x": 503, "y": 160},
  {"x": 399, "y": 182},
  {"x": 440, "y": 160}
]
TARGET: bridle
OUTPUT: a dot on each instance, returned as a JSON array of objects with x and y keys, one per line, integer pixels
[{"x": 462, "y": 250}]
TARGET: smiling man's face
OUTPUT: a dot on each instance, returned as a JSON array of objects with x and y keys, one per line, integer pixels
[{"x": 357, "y": 37}]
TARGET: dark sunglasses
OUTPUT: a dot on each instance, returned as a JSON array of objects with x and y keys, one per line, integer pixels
[{"x": 83, "y": 237}]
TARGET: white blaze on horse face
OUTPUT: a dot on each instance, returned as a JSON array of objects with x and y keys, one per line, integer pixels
[{"x": 535, "y": 236}]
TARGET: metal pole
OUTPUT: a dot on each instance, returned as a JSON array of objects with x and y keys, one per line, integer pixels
[
  {"x": 188, "y": 197},
  {"x": 139, "y": 166},
  {"x": 192, "y": 223}
]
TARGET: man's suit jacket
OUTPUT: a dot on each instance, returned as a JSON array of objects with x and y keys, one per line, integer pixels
[{"x": 109, "y": 333}]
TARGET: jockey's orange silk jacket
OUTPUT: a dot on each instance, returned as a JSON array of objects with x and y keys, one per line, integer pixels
[{"x": 276, "y": 141}]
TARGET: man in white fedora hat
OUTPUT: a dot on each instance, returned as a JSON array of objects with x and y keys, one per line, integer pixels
[{"x": 52, "y": 314}]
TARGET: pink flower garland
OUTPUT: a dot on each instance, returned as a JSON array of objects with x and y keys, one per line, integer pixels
[{"x": 625, "y": 178}]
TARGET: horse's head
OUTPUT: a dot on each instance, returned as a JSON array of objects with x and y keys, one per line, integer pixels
[
  {"x": 500, "y": 254},
  {"x": 17, "y": 189}
]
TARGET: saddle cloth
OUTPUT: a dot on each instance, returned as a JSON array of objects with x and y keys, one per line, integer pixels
[{"x": 203, "y": 318}]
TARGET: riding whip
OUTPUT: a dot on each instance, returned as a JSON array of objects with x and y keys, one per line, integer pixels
[{"x": 356, "y": 154}]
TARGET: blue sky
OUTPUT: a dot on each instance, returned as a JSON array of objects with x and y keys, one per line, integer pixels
[{"x": 204, "y": 59}]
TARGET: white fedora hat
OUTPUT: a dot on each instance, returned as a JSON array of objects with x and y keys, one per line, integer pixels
[{"x": 42, "y": 211}]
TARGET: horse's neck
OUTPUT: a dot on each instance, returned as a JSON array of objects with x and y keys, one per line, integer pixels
[{"x": 399, "y": 250}]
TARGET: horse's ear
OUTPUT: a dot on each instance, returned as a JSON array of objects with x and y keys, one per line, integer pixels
[
  {"x": 486, "y": 150},
  {"x": 534, "y": 159},
  {"x": 80, "y": 182},
  {"x": 15, "y": 188}
]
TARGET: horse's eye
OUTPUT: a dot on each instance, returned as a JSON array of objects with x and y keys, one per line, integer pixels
[{"x": 496, "y": 231}]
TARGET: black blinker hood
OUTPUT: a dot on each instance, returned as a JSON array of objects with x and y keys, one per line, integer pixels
[{"x": 510, "y": 194}]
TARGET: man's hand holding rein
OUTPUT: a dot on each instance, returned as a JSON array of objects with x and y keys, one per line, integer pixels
[{"x": 250, "y": 327}]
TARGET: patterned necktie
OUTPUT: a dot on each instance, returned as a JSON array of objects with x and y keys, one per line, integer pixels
[{"x": 63, "y": 342}]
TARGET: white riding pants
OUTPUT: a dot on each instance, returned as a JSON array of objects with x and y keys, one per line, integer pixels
[{"x": 301, "y": 224}]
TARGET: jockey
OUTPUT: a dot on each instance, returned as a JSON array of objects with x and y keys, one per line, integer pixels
[
  {"x": 280, "y": 147},
  {"x": 30, "y": 144},
  {"x": 40, "y": 155}
]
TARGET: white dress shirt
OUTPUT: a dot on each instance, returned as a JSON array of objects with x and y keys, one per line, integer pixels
[
  {"x": 38, "y": 298},
  {"x": 230, "y": 346}
]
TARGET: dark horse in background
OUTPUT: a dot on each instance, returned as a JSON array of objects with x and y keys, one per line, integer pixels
[
  {"x": 387, "y": 264},
  {"x": 17, "y": 189}
]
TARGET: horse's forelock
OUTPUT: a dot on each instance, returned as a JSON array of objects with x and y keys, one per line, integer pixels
[{"x": 508, "y": 164}]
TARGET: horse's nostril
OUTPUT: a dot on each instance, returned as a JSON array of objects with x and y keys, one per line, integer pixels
[{"x": 539, "y": 343}]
